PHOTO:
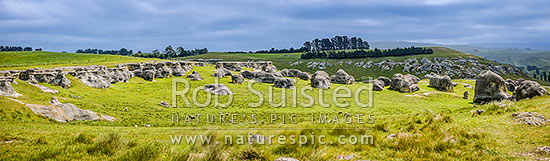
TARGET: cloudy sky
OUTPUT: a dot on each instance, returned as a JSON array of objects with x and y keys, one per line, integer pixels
[{"x": 222, "y": 25}]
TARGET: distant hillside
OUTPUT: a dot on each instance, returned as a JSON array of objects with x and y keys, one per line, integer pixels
[
  {"x": 513, "y": 56},
  {"x": 44, "y": 59},
  {"x": 444, "y": 60}
]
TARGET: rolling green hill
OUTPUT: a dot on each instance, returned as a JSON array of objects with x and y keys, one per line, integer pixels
[{"x": 44, "y": 59}]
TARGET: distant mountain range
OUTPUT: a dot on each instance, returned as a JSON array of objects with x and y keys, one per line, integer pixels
[{"x": 508, "y": 55}]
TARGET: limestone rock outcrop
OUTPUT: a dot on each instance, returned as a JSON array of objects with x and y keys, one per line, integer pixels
[
  {"x": 529, "y": 89},
  {"x": 217, "y": 89},
  {"x": 320, "y": 79},
  {"x": 341, "y": 77},
  {"x": 404, "y": 83},
  {"x": 284, "y": 83},
  {"x": 490, "y": 87},
  {"x": 442, "y": 83}
]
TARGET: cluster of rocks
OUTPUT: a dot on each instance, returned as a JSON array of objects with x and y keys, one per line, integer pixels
[
  {"x": 453, "y": 67},
  {"x": 98, "y": 76},
  {"x": 6, "y": 89},
  {"x": 492, "y": 87},
  {"x": 530, "y": 118},
  {"x": 380, "y": 83},
  {"x": 237, "y": 66}
]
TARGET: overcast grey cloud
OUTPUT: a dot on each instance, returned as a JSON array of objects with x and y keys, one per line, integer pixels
[{"x": 220, "y": 25}]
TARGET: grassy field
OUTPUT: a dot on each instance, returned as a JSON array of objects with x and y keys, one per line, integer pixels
[
  {"x": 425, "y": 123},
  {"x": 429, "y": 124},
  {"x": 43, "y": 59}
]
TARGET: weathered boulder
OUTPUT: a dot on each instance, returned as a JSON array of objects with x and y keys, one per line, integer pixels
[
  {"x": 404, "y": 83},
  {"x": 341, "y": 77},
  {"x": 266, "y": 77},
  {"x": 63, "y": 112},
  {"x": 378, "y": 85},
  {"x": 529, "y": 89},
  {"x": 61, "y": 80},
  {"x": 221, "y": 72},
  {"x": 510, "y": 85},
  {"x": 248, "y": 74},
  {"x": 320, "y": 79},
  {"x": 304, "y": 76},
  {"x": 120, "y": 75},
  {"x": 218, "y": 89},
  {"x": 176, "y": 69},
  {"x": 194, "y": 76},
  {"x": 442, "y": 83},
  {"x": 162, "y": 71},
  {"x": 6, "y": 89},
  {"x": 284, "y": 83},
  {"x": 148, "y": 75},
  {"x": 490, "y": 87},
  {"x": 387, "y": 81},
  {"x": 237, "y": 79}
]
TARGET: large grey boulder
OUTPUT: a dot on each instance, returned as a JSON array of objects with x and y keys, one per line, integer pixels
[
  {"x": 266, "y": 77},
  {"x": 404, "y": 83},
  {"x": 237, "y": 79},
  {"x": 304, "y": 76},
  {"x": 378, "y": 85},
  {"x": 284, "y": 83},
  {"x": 176, "y": 69},
  {"x": 248, "y": 74},
  {"x": 221, "y": 72},
  {"x": 386, "y": 80},
  {"x": 529, "y": 89},
  {"x": 217, "y": 89},
  {"x": 148, "y": 75},
  {"x": 64, "y": 112},
  {"x": 341, "y": 77},
  {"x": 61, "y": 80},
  {"x": 442, "y": 83},
  {"x": 6, "y": 89},
  {"x": 320, "y": 79},
  {"x": 194, "y": 76},
  {"x": 490, "y": 87}
]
